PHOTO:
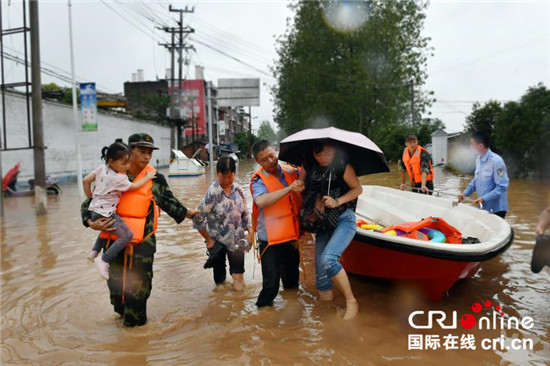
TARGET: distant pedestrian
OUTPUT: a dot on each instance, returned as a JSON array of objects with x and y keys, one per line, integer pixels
[
  {"x": 417, "y": 163},
  {"x": 491, "y": 177},
  {"x": 110, "y": 182}
]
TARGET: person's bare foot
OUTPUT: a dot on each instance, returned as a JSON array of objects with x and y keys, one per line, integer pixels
[
  {"x": 92, "y": 256},
  {"x": 326, "y": 295},
  {"x": 102, "y": 267},
  {"x": 352, "y": 308},
  {"x": 238, "y": 281}
]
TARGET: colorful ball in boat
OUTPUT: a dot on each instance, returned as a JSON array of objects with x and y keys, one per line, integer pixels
[
  {"x": 433, "y": 235},
  {"x": 371, "y": 227}
]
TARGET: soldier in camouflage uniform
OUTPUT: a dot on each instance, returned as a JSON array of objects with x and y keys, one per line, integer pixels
[
  {"x": 419, "y": 168},
  {"x": 139, "y": 277}
]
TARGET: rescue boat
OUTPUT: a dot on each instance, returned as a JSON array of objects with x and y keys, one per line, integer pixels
[
  {"x": 182, "y": 166},
  {"x": 434, "y": 267}
]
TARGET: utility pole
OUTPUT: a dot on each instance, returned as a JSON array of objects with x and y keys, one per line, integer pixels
[
  {"x": 180, "y": 46},
  {"x": 173, "y": 133},
  {"x": 75, "y": 109},
  {"x": 37, "y": 130},
  {"x": 193, "y": 120},
  {"x": 210, "y": 147}
]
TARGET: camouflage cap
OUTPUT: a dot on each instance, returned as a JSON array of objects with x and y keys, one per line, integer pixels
[
  {"x": 143, "y": 140},
  {"x": 411, "y": 136}
]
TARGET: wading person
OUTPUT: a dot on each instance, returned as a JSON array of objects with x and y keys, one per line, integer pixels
[
  {"x": 130, "y": 286},
  {"x": 417, "y": 163},
  {"x": 276, "y": 206},
  {"x": 331, "y": 192},
  {"x": 223, "y": 221},
  {"x": 541, "y": 251},
  {"x": 111, "y": 181},
  {"x": 544, "y": 222},
  {"x": 490, "y": 178}
]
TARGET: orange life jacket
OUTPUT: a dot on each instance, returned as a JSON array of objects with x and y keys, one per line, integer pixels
[
  {"x": 281, "y": 219},
  {"x": 133, "y": 208},
  {"x": 411, "y": 229},
  {"x": 412, "y": 164}
]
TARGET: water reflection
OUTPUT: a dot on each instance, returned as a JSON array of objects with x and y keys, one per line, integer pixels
[{"x": 56, "y": 309}]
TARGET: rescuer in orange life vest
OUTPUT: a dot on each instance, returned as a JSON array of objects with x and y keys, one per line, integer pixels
[
  {"x": 417, "y": 163},
  {"x": 275, "y": 218},
  {"x": 131, "y": 272}
]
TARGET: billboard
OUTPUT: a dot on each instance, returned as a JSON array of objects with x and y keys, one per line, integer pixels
[
  {"x": 238, "y": 92},
  {"x": 88, "y": 106}
]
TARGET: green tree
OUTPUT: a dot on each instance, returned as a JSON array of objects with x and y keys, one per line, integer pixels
[
  {"x": 426, "y": 127},
  {"x": 68, "y": 96},
  {"x": 522, "y": 132},
  {"x": 51, "y": 87},
  {"x": 392, "y": 136},
  {"x": 484, "y": 118},
  {"x": 281, "y": 134},
  {"x": 265, "y": 131},
  {"x": 244, "y": 141},
  {"x": 154, "y": 107},
  {"x": 360, "y": 80}
]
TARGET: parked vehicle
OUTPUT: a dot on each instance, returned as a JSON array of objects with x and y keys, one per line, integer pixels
[{"x": 9, "y": 182}]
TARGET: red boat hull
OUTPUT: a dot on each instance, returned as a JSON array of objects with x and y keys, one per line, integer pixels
[{"x": 434, "y": 276}]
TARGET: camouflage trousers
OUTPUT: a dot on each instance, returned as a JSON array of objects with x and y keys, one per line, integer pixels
[{"x": 138, "y": 288}]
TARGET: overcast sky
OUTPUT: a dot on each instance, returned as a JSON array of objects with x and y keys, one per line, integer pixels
[{"x": 482, "y": 49}]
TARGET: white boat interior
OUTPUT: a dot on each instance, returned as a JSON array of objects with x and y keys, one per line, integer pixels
[
  {"x": 386, "y": 206},
  {"x": 181, "y": 165}
]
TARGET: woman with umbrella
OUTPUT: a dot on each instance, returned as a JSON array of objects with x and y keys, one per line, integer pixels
[{"x": 330, "y": 198}]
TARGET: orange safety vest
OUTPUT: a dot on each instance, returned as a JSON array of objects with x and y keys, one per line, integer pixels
[
  {"x": 412, "y": 164},
  {"x": 281, "y": 219},
  {"x": 133, "y": 209},
  {"x": 452, "y": 235}
]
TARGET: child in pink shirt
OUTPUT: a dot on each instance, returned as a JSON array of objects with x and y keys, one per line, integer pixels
[{"x": 111, "y": 181}]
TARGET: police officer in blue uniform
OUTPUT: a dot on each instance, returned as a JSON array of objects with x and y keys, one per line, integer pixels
[{"x": 491, "y": 177}]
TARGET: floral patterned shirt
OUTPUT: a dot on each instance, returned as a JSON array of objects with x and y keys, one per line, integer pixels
[{"x": 225, "y": 217}]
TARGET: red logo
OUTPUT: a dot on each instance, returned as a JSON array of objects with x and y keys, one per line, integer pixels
[{"x": 468, "y": 321}]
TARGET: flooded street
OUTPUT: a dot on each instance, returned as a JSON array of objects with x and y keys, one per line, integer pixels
[{"x": 55, "y": 307}]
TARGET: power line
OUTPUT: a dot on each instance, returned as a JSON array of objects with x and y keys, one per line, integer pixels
[
  {"x": 455, "y": 101},
  {"x": 214, "y": 42},
  {"x": 149, "y": 14},
  {"x": 455, "y": 109},
  {"x": 232, "y": 57},
  {"x": 499, "y": 52},
  {"x": 206, "y": 69},
  {"x": 236, "y": 38},
  {"x": 46, "y": 71},
  {"x": 17, "y": 54},
  {"x": 127, "y": 20},
  {"x": 206, "y": 44}
]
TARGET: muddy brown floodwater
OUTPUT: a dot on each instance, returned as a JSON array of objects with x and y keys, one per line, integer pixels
[{"x": 55, "y": 307}]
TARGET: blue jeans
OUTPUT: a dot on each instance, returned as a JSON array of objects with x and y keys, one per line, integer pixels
[{"x": 329, "y": 246}]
